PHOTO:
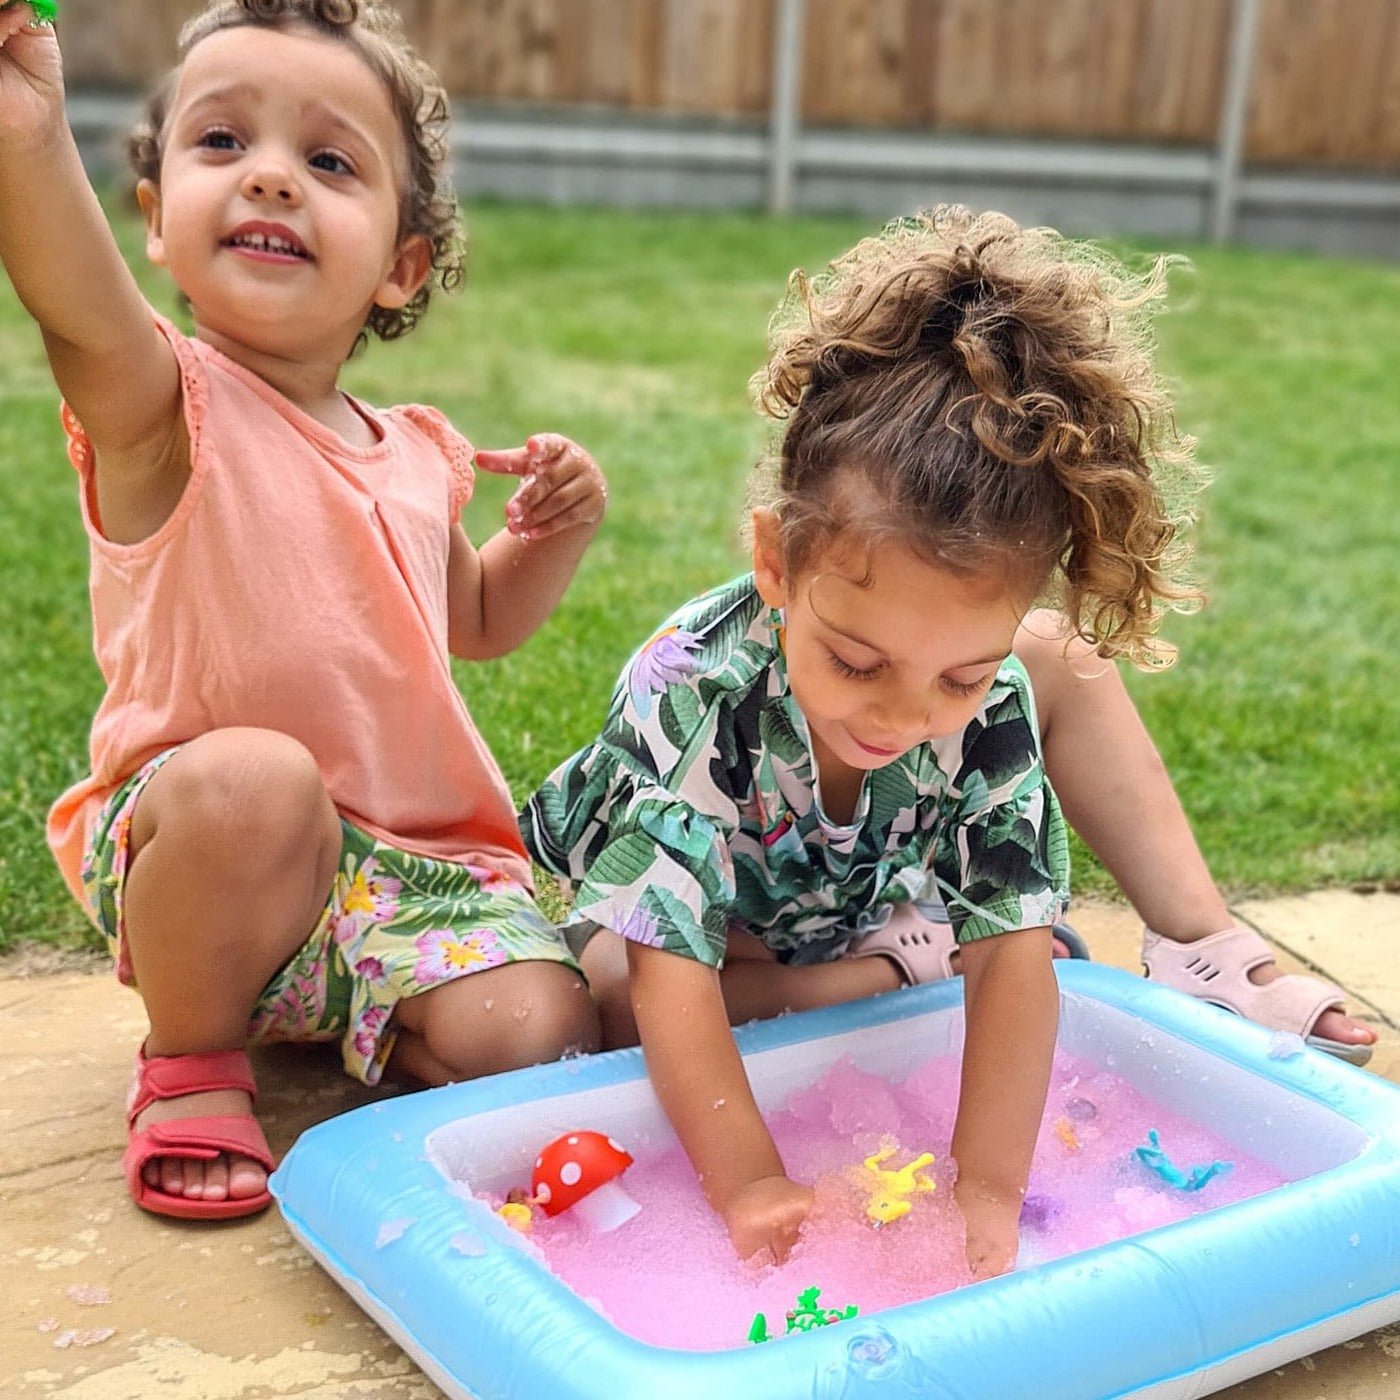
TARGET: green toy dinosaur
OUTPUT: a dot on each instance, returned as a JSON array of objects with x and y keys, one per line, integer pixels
[{"x": 45, "y": 11}]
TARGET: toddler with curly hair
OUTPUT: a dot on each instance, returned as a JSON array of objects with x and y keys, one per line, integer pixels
[
  {"x": 291, "y": 830},
  {"x": 972, "y": 425}
]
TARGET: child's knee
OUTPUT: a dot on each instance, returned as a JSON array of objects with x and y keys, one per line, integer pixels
[
  {"x": 523, "y": 1013},
  {"x": 263, "y": 785},
  {"x": 562, "y": 1016},
  {"x": 604, "y": 962}
]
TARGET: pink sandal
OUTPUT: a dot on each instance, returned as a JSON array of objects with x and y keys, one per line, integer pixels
[
  {"x": 921, "y": 949},
  {"x": 1216, "y": 969},
  {"x": 200, "y": 1139}
]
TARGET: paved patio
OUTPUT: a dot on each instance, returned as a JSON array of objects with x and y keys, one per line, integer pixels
[{"x": 104, "y": 1302}]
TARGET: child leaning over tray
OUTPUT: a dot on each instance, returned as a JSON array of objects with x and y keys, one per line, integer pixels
[{"x": 973, "y": 424}]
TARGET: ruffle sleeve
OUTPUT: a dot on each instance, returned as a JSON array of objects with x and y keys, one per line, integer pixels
[
  {"x": 458, "y": 452},
  {"x": 643, "y": 862},
  {"x": 1001, "y": 858},
  {"x": 195, "y": 396}
]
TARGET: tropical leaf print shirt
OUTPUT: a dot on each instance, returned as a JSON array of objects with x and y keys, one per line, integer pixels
[{"x": 698, "y": 806}]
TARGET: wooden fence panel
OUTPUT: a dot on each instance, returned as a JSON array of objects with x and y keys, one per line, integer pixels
[
  {"x": 716, "y": 56},
  {"x": 1326, "y": 87},
  {"x": 1181, "y": 101},
  {"x": 516, "y": 50},
  {"x": 1113, "y": 69},
  {"x": 856, "y": 58},
  {"x": 121, "y": 44},
  {"x": 694, "y": 56},
  {"x": 1327, "y": 83}
]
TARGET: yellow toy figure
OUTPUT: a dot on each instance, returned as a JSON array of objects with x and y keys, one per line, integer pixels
[
  {"x": 517, "y": 1215},
  {"x": 517, "y": 1210},
  {"x": 889, "y": 1201}
]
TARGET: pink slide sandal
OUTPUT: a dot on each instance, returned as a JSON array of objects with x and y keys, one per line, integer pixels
[
  {"x": 922, "y": 945},
  {"x": 201, "y": 1139},
  {"x": 1216, "y": 969}
]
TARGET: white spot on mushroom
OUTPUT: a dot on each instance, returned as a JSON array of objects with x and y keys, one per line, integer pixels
[{"x": 570, "y": 1173}]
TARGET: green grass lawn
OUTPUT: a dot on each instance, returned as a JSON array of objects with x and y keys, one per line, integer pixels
[{"x": 636, "y": 334}]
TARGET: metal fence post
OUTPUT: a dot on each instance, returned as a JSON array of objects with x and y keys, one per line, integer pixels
[
  {"x": 1244, "y": 24},
  {"x": 785, "y": 110}
]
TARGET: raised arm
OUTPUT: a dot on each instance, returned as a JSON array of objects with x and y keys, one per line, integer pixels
[
  {"x": 499, "y": 596},
  {"x": 110, "y": 363},
  {"x": 1012, "y": 1010},
  {"x": 699, "y": 1077}
]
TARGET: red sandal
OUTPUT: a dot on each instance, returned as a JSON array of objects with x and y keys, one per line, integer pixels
[{"x": 200, "y": 1139}]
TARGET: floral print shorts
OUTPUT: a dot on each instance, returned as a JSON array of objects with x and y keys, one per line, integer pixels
[{"x": 395, "y": 924}]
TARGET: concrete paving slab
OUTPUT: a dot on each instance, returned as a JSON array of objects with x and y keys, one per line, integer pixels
[
  {"x": 1354, "y": 937},
  {"x": 103, "y": 1302}
]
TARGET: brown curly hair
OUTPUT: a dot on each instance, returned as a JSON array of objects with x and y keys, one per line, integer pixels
[
  {"x": 429, "y": 205},
  {"x": 986, "y": 394}
]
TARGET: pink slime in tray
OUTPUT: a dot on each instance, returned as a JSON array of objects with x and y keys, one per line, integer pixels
[{"x": 669, "y": 1276}]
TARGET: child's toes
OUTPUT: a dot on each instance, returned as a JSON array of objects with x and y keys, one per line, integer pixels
[
  {"x": 1336, "y": 1025},
  {"x": 216, "y": 1180},
  {"x": 166, "y": 1174},
  {"x": 245, "y": 1178},
  {"x": 176, "y": 1176},
  {"x": 215, "y": 1187}
]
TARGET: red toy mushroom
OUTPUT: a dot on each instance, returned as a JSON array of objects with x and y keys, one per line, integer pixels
[{"x": 580, "y": 1171}]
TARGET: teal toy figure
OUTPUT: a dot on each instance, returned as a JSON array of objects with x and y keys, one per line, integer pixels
[
  {"x": 1156, "y": 1160},
  {"x": 45, "y": 11},
  {"x": 805, "y": 1316}
]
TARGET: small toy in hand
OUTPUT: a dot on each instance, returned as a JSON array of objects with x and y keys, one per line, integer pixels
[
  {"x": 45, "y": 11},
  {"x": 889, "y": 1200},
  {"x": 805, "y": 1316},
  {"x": 1156, "y": 1160}
]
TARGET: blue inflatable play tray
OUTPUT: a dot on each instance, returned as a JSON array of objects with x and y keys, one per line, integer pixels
[{"x": 383, "y": 1199}]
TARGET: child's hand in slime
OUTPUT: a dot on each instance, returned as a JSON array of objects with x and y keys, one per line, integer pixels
[
  {"x": 767, "y": 1214},
  {"x": 699, "y": 1077},
  {"x": 992, "y": 1232},
  {"x": 1011, "y": 998}
]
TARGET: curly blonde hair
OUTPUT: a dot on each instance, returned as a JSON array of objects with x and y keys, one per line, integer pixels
[
  {"x": 993, "y": 388},
  {"x": 428, "y": 205}
]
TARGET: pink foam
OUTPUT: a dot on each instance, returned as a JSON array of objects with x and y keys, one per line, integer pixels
[{"x": 670, "y": 1277}]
